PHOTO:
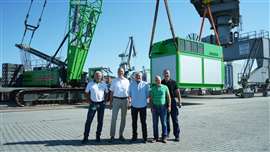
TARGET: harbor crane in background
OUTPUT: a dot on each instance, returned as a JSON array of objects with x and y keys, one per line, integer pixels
[
  {"x": 126, "y": 57},
  {"x": 224, "y": 16}
]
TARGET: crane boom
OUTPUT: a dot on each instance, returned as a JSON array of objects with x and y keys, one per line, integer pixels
[
  {"x": 83, "y": 17},
  {"x": 41, "y": 55},
  {"x": 30, "y": 29}
]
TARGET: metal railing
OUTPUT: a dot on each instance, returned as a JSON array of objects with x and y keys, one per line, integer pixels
[
  {"x": 253, "y": 35},
  {"x": 38, "y": 63}
]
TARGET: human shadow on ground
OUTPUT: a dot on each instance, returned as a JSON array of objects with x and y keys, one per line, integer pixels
[
  {"x": 183, "y": 103},
  {"x": 75, "y": 142},
  {"x": 191, "y": 103},
  {"x": 211, "y": 97}
]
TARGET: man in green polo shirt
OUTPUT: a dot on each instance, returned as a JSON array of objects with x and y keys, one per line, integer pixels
[{"x": 160, "y": 102}]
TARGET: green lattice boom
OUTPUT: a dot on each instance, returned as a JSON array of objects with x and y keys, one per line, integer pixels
[{"x": 83, "y": 18}]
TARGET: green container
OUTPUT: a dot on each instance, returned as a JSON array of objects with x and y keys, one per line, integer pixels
[
  {"x": 41, "y": 78},
  {"x": 192, "y": 64}
]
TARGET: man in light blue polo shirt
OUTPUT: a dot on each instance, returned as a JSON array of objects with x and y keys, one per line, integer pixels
[{"x": 138, "y": 93}]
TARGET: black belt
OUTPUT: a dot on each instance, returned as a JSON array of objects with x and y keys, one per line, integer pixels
[
  {"x": 122, "y": 98},
  {"x": 98, "y": 102},
  {"x": 158, "y": 106}
]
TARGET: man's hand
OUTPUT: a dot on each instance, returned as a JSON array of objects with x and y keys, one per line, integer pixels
[
  {"x": 110, "y": 100},
  {"x": 169, "y": 109},
  {"x": 129, "y": 106},
  {"x": 87, "y": 101},
  {"x": 129, "y": 103},
  {"x": 179, "y": 99},
  {"x": 110, "y": 105},
  {"x": 87, "y": 96},
  {"x": 179, "y": 104}
]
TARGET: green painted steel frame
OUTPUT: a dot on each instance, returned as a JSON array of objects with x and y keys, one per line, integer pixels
[
  {"x": 203, "y": 84},
  {"x": 205, "y": 55},
  {"x": 83, "y": 18}
]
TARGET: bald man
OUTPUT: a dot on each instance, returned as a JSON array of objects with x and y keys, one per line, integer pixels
[
  {"x": 176, "y": 100},
  {"x": 160, "y": 102}
]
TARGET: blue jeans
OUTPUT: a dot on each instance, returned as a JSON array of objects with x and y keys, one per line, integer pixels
[
  {"x": 94, "y": 107},
  {"x": 159, "y": 112},
  {"x": 174, "y": 115}
]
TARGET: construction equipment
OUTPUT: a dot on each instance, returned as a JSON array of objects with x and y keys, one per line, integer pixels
[
  {"x": 83, "y": 18},
  {"x": 40, "y": 54},
  {"x": 155, "y": 23},
  {"x": 251, "y": 47},
  {"x": 223, "y": 16},
  {"x": 10, "y": 74},
  {"x": 126, "y": 56},
  {"x": 30, "y": 28},
  {"x": 193, "y": 64}
]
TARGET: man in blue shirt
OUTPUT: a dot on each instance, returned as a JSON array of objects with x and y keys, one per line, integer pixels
[{"x": 138, "y": 93}]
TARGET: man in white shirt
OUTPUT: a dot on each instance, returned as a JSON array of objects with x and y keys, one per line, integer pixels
[
  {"x": 95, "y": 96},
  {"x": 119, "y": 100}
]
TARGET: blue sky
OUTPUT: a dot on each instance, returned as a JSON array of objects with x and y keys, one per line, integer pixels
[{"x": 119, "y": 20}]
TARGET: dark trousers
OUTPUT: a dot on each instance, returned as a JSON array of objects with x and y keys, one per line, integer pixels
[
  {"x": 174, "y": 115},
  {"x": 134, "y": 115},
  {"x": 94, "y": 107},
  {"x": 159, "y": 112}
]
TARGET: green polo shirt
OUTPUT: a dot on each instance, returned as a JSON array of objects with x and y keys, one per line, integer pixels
[{"x": 158, "y": 94}]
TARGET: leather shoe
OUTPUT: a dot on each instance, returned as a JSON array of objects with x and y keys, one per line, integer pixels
[
  {"x": 122, "y": 138},
  {"x": 85, "y": 140},
  {"x": 97, "y": 138},
  {"x": 111, "y": 140}
]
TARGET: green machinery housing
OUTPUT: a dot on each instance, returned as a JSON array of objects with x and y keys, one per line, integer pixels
[
  {"x": 44, "y": 78},
  {"x": 192, "y": 64}
]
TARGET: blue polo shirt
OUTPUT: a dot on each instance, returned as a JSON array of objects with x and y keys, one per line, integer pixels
[{"x": 139, "y": 92}]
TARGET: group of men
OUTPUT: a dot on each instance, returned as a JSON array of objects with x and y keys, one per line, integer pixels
[{"x": 163, "y": 96}]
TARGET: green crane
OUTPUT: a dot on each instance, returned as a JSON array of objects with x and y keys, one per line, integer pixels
[
  {"x": 83, "y": 17},
  {"x": 82, "y": 21}
]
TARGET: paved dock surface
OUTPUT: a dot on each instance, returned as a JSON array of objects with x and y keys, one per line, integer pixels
[{"x": 208, "y": 123}]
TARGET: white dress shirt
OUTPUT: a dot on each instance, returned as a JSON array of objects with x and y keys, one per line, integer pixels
[
  {"x": 120, "y": 87},
  {"x": 96, "y": 91}
]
